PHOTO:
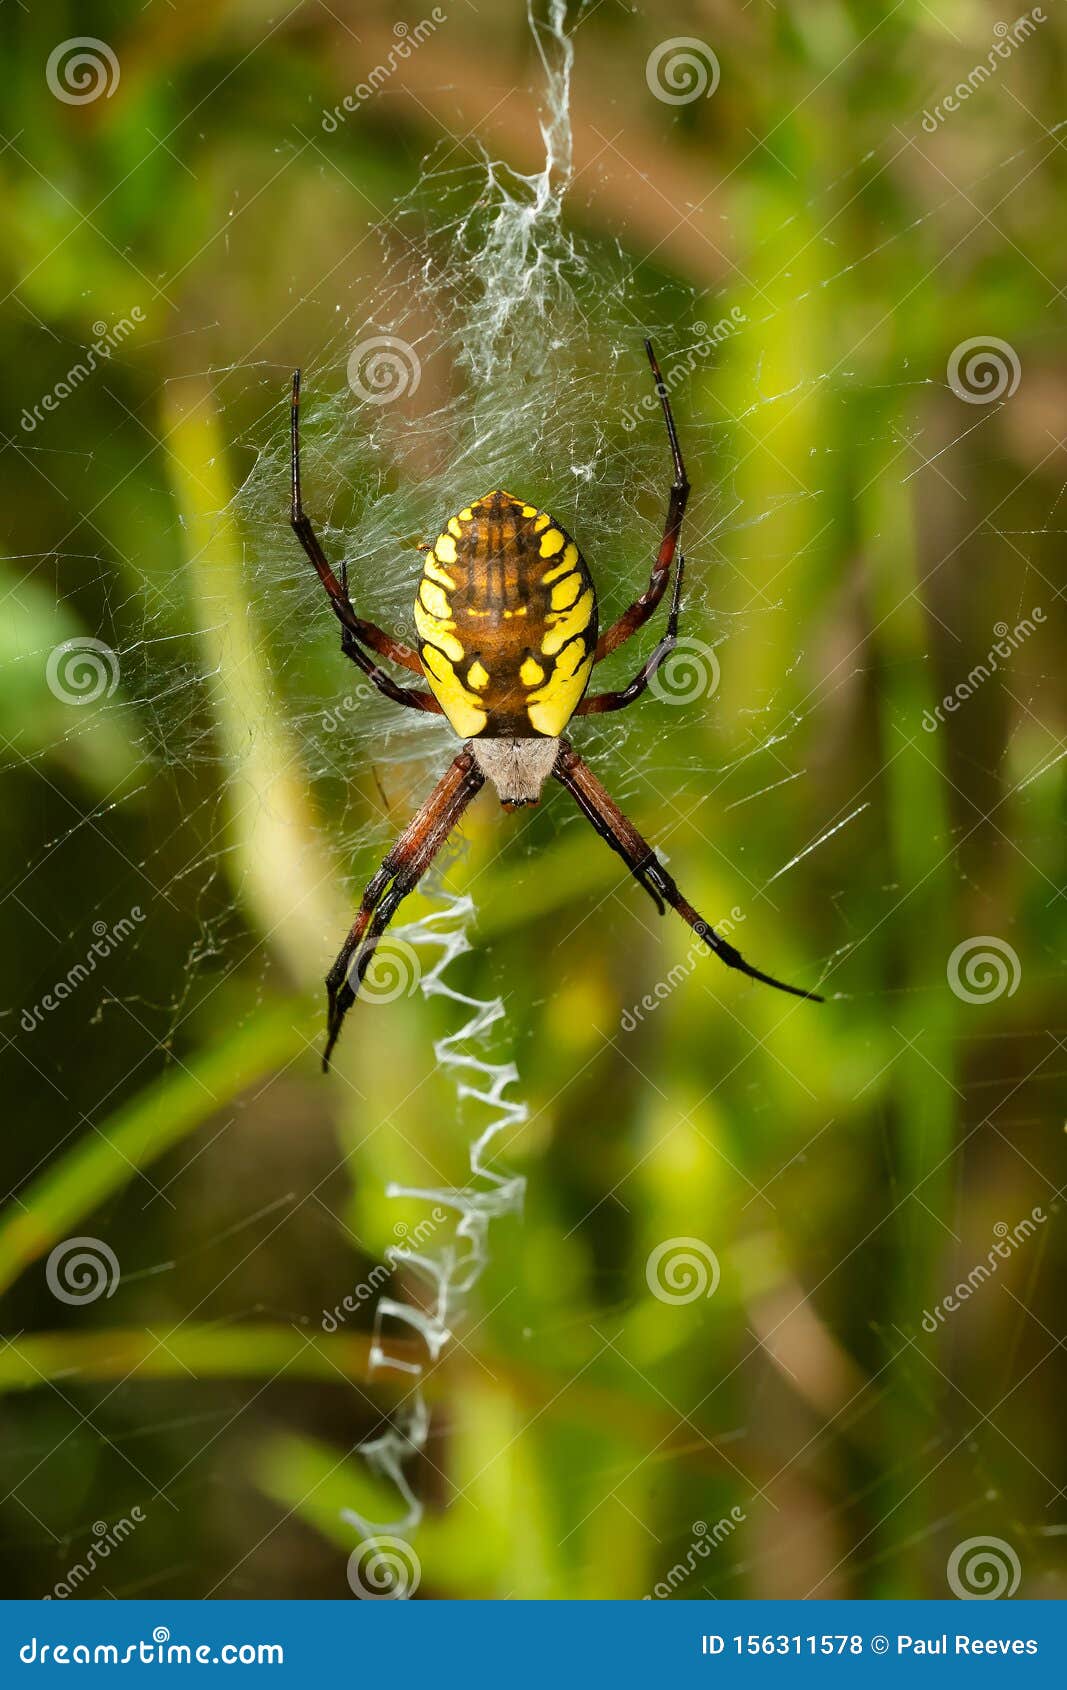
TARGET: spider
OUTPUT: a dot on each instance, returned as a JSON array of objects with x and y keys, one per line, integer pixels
[{"x": 506, "y": 614}]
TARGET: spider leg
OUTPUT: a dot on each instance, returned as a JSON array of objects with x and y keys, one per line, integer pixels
[
  {"x": 404, "y": 865},
  {"x": 411, "y": 697},
  {"x": 354, "y": 627},
  {"x": 642, "y": 608},
  {"x": 594, "y": 703},
  {"x": 644, "y": 865}
]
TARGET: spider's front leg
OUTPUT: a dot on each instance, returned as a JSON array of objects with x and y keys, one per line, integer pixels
[
  {"x": 356, "y": 632},
  {"x": 594, "y": 703},
  {"x": 642, "y": 608},
  {"x": 405, "y": 864},
  {"x": 619, "y": 832}
]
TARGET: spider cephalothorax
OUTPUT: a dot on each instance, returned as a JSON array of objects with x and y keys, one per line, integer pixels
[{"x": 506, "y": 614}]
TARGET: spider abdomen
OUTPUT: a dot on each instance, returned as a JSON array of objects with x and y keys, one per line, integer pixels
[{"x": 507, "y": 618}]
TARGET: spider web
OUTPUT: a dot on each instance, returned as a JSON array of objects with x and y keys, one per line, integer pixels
[
  {"x": 499, "y": 351},
  {"x": 487, "y": 294}
]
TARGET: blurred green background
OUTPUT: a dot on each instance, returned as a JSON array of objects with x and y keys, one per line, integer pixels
[{"x": 800, "y": 1430}]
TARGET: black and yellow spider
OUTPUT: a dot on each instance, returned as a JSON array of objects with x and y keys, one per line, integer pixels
[{"x": 506, "y": 614}]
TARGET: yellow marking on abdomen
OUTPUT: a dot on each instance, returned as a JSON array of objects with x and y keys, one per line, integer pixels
[
  {"x": 568, "y": 623},
  {"x": 445, "y": 548},
  {"x": 569, "y": 560},
  {"x": 478, "y": 675},
  {"x": 531, "y": 673},
  {"x": 438, "y": 633},
  {"x": 571, "y": 658},
  {"x": 551, "y": 542},
  {"x": 463, "y": 710},
  {"x": 455, "y": 527},
  {"x": 552, "y": 708},
  {"x": 566, "y": 591},
  {"x": 436, "y": 600},
  {"x": 433, "y": 570}
]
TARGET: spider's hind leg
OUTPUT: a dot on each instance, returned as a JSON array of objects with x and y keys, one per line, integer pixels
[
  {"x": 400, "y": 871},
  {"x": 601, "y": 810}
]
